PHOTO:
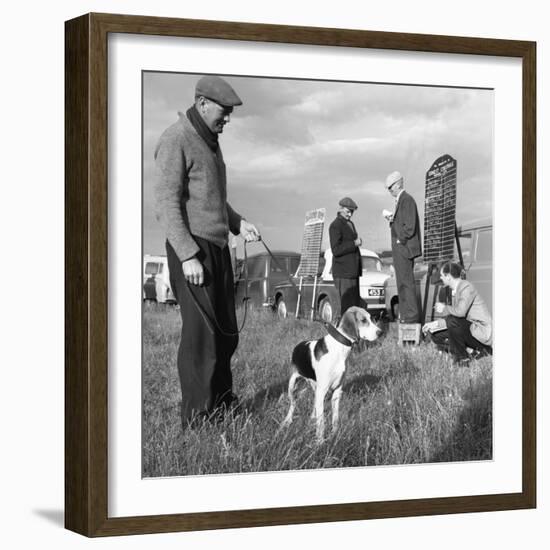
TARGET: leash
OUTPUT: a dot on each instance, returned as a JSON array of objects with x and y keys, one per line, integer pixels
[{"x": 210, "y": 320}]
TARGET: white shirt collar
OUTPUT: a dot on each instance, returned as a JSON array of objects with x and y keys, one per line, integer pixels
[{"x": 456, "y": 289}]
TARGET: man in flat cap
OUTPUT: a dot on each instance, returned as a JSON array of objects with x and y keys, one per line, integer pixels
[
  {"x": 405, "y": 245},
  {"x": 346, "y": 256},
  {"x": 191, "y": 202}
]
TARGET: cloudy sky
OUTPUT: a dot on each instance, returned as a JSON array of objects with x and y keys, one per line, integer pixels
[{"x": 296, "y": 145}]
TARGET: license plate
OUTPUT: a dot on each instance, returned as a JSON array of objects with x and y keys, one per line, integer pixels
[{"x": 376, "y": 292}]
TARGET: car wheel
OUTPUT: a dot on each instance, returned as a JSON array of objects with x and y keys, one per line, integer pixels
[
  {"x": 326, "y": 312},
  {"x": 282, "y": 312}
]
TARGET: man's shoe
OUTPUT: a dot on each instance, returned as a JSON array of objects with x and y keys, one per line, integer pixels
[
  {"x": 463, "y": 362},
  {"x": 479, "y": 354}
]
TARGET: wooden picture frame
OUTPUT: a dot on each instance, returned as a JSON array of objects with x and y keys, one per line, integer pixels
[{"x": 86, "y": 279}]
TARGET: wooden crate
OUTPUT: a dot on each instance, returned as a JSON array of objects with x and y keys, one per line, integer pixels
[{"x": 409, "y": 333}]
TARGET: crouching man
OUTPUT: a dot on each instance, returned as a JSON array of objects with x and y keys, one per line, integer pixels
[{"x": 467, "y": 322}]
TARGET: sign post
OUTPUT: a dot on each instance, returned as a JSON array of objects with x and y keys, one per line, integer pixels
[
  {"x": 311, "y": 251},
  {"x": 440, "y": 229}
]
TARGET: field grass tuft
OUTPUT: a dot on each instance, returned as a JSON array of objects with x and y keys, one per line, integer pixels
[{"x": 399, "y": 406}]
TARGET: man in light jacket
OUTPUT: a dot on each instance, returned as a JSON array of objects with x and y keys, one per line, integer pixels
[{"x": 467, "y": 322}]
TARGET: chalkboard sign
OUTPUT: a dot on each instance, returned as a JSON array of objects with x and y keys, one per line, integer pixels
[
  {"x": 311, "y": 243},
  {"x": 440, "y": 210}
]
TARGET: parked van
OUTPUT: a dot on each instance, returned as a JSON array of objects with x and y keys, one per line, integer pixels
[
  {"x": 156, "y": 280},
  {"x": 476, "y": 243}
]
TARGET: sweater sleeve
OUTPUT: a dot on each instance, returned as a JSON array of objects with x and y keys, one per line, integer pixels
[
  {"x": 170, "y": 177},
  {"x": 234, "y": 220},
  {"x": 463, "y": 302},
  {"x": 338, "y": 246}
]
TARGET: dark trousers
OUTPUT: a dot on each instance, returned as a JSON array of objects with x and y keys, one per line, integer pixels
[
  {"x": 406, "y": 288},
  {"x": 204, "y": 353},
  {"x": 348, "y": 290},
  {"x": 458, "y": 337}
]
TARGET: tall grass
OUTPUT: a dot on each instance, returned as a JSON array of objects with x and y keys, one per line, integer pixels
[{"x": 399, "y": 406}]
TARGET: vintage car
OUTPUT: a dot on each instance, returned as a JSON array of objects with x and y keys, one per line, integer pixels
[
  {"x": 264, "y": 275},
  {"x": 476, "y": 243},
  {"x": 156, "y": 280},
  {"x": 320, "y": 299}
]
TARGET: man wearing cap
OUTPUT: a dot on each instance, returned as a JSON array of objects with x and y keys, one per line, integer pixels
[
  {"x": 405, "y": 245},
  {"x": 346, "y": 256},
  {"x": 191, "y": 203}
]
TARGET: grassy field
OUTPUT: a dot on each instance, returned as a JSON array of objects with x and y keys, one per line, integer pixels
[{"x": 399, "y": 406}]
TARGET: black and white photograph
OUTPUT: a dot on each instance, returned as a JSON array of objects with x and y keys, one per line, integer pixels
[
  {"x": 291, "y": 261},
  {"x": 317, "y": 274}
]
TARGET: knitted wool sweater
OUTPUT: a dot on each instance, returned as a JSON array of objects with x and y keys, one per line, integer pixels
[{"x": 190, "y": 191}]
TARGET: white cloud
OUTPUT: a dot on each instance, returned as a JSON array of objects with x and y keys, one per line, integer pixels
[{"x": 295, "y": 145}]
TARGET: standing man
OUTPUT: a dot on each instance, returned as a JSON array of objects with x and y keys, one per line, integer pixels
[
  {"x": 346, "y": 256},
  {"x": 191, "y": 201},
  {"x": 405, "y": 245}
]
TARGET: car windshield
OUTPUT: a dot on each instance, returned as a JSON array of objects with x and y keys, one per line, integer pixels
[
  {"x": 484, "y": 251},
  {"x": 257, "y": 267},
  {"x": 152, "y": 268},
  {"x": 294, "y": 263},
  {"x": 465, "y": 240},
  {"x": 371, "y": 264},
  {"x": 278, "y": 265}
]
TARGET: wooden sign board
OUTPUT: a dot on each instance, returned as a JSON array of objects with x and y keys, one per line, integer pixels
[
  {"x": 311, "y": 242},
  {"x": 440, "y": 210}
]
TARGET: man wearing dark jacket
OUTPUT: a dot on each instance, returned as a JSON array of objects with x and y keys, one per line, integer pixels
[
  {"x": 405, "y": 245},
  {"x": 346, "y": 256}
]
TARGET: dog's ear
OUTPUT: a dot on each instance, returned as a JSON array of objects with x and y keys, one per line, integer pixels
[{"x": 349, "y": 324}]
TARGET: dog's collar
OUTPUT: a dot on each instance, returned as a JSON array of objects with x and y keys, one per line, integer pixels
[{"x": 338, "y": 336}]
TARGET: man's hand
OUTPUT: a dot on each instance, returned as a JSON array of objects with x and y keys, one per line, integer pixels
[
  {"x": 193, "y": 271},
  {"x": 428, "y": 327},
  {"x": 249, "y": 232},
  {"x": 439, "y": 307},
  {"x": 358, "y": 241}
]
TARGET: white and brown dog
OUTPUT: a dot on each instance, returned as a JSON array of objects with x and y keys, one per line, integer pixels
[{"x": 323, "y": 363}]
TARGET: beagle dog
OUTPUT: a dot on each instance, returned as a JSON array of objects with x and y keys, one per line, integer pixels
[{"x": 323, "y": 363}]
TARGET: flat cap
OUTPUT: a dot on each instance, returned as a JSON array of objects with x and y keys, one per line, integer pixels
[
  {"x": 218, "y": 90},
  {"x": 348, "y": 203},
  {"x": 394, "y": 177}
]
